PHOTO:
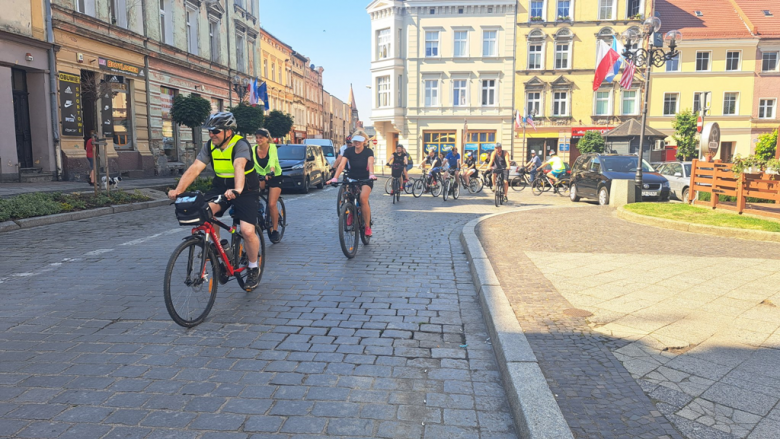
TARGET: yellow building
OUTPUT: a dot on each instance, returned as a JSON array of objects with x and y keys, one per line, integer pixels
[
  {"x": 555, "y": 65},
  {"x": 276, "y": 71}
]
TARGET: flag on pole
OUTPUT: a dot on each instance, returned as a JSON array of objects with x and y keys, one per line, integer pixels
[
  {"x": 628, "y": 75},
  {"x": 618, "y": 48},
  {"x": 518, "y": 120},
  {"x": 606, "y": 57},
  {"x": 263, "y": 95},
  {"x": 530, "y": 121},
  {"x": 253, "y": 93}
]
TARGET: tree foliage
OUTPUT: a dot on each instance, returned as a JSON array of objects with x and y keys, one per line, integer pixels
[
  {"x": 278, "y": 123},
  {"x": 591, "y": 142},
  {"x": 766, "y": 146},
  {"x": 684, "y": 125},
  {"x": 248, "y": 118},
  {"x": 190, "y": 111}
]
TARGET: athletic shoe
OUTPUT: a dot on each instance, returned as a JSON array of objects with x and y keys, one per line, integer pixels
[
  {"x": 252, "y": 279},
  {"x": 275, "y": 237},
  {"x": 368, "y": 230}
]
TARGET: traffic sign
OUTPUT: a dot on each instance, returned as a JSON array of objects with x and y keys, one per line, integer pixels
[
  {"x": 699, "y": 124},
  {"x": 374, "y": 141}
]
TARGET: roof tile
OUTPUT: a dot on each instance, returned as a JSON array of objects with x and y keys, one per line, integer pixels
[
  {"x": 754, "y": 11},
  {"x": 719, "y": 19}
]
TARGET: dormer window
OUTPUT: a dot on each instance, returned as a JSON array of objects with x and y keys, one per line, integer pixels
[
  {"x": 699, "y": 13},
  {"x": 767, "y": 13}
]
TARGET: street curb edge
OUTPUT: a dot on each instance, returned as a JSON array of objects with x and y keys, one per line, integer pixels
[
  {"x": 535, "y": 411},
  {"x": 37, "y": 221}
]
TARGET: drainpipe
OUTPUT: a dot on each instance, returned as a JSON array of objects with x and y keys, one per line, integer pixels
[
  {"x": 146, "y": 81},
  {"x": 230, "y": 72},
  {"x": 55, "y": 126}
]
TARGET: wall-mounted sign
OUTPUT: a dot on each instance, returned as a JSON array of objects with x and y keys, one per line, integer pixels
[
  {"x": 580, "y": 131},
  {"x": 120, "y": 67},
  {"x": 107, "y": 114},
  {"x": 71, "y": 115},
  {"x": 563, "y": 147}
]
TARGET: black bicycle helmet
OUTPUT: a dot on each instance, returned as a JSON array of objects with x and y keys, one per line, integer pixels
[
  {"x": 224, "y": 120},
  {"x": 263, "y": 132}
]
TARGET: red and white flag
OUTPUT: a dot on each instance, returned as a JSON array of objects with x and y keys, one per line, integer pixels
[
  {"x": 518, "y": 120},
  {"x": 628, "y": 75},
  {"x": 606, "y": 57}
]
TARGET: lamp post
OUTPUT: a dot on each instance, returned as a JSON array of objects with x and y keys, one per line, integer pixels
[
  {"x": 239, "y": 86},
  {"x": 652, "y": 56}
]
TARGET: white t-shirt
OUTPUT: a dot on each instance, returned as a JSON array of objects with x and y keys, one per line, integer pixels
[{"x": 342, "y": 150}]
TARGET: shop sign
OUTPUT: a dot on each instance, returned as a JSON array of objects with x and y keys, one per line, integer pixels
[
  {"x": 563, "y": 147},
  {"x": 70, "y": 105},
  {"x": 107, "y": 114},
  {"x": 577, "y": 132},
  {"x": 120, "y": 67},
  {"x": 471, "y": 147}
]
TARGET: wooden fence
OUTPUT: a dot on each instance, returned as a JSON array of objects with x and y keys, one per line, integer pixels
[{"x": 718, "y": 179}]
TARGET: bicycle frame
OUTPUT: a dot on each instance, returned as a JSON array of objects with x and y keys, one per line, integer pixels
[{"x": 208, "y": 231}]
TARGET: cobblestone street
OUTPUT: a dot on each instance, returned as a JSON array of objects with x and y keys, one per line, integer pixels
[
  {"x": 644, "y": 332},
  {"x": 389, "y": 344}
]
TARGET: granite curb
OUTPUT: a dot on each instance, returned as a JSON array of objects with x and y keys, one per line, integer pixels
[
  {"x": 27, "y": 223},
  {"x": 535, "y": 410},
  {"x": 726, "y": 232}
]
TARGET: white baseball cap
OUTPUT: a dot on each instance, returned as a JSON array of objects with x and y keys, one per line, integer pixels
[{"x": 358, "y": 139}]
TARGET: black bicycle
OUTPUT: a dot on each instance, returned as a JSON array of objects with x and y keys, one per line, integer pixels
[
  {"x": 264, "y": 219},
  {"x": 521, "y": 181},
  {"x": 351, "y": 222},
  {"x": 451, "y": 186},
  {"x": 397, "y": 188},
  {"x": 544, "y": 183},
  {"x": 500, "y": 196},
  {"x": 340, "y": 197},
  {"x": 428, "y": 183}
]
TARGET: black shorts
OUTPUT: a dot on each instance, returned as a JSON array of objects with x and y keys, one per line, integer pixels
[
  {"x": 245, "y": 207},
  {"x": 369, "y": 183},
  {"x": 502, "y": 171},
  {"x": 273, "y": 181}
]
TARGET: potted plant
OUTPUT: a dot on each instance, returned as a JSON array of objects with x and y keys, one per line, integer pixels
[
  {"x": 637, "y": 17},
  {"x": 564, "y": 18},
  {"x": 748, "y": 165},
  {"x": 773, "y": 166},
  {"x": 537, "y": 18}
]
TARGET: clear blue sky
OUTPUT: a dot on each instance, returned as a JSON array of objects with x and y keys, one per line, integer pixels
[{"x": 334, "y": 34}]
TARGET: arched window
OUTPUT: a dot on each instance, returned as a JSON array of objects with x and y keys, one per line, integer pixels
[
  {"x": 536, "y": 50},
  {"x": 563, "y": 49}
]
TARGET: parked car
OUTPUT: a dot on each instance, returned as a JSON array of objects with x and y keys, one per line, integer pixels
[
  {"x": 302, "y": 166},
  {"x": 328, "y": 149},
  {"x": 592, "y": 176},
  {"x": 679, "y": 176}
]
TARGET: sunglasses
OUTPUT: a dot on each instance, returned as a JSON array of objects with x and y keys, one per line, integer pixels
[{"x": 215, "y": 132}]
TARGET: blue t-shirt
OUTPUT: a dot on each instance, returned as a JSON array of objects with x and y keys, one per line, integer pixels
[{"x": 452, "y": 159}]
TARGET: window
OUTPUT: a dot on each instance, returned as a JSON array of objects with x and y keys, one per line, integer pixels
[
  {"x": 697, "y": 97},
  {"x": 265, "y": 68},
  {"x": 603, "y": 100},
  {"x": 86, "y": 7},
  {"x": 432, "y": 93},
  {"x": 606, "y": 9},
  {"x": 673, "y": 65},
  {"x": 730, "y": 104},
  {"x": 535, "y": 57},
  {"x": 169, "y": 132},
  {"x": 121, "y": 111},
  {"x": 240, "y": 53},
  {"x": 119, "y": 12},
  {"x": 732, "y": 61},
  {"x": 562, "y": 56},
  {"x": 273, "y": 72},
  {"x": 488, "y": 92},
  {"x": 439, "y": 141},
  {"x": 461, "y": 46},
  {"x": 564, "y": 9},
  {"x": 399, "y": 88},
  {"x": 214, "y": 40},
  {"x": 480, "y": 142},
  {"x": 670, "y": 104},
  {"x": 536, "y": 10},
  {"x": 766, "y": 108},
  {"x": 629, "y": 105},
  {"x": 533, "y": 103},
  {"x": 191, "y": 18},
  {"x": 489, "y": 43},
  {"x": 383, "y": 44},
  {"x": 431, "y": 44},
  {"x": 163, "y": 24},
  {"x": 633, "y": 8},
  {"x": 561, "y": 103},
  {"x": 702, "y": 61},
  {"x": 383, "y": 91},
  {"x": 769, "y": 61},
  {"x": 459, "y": 92}
]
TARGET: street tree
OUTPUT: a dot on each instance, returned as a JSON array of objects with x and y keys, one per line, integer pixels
[
  {"x": 591, "y": 142},
  {"x": 248, "y": 118},
  {"x": 278, "y": 124},
  {"x": 684, "y": 125},
  {"x": 190, "y": 111},
  {"x": 766, "y": 146}
]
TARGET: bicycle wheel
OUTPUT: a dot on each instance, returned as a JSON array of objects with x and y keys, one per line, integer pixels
[
  {"x": 497, "y": 195},
  {"x": 339, "y": 200},
  {"x": 348, "y": 230},
  {"x": 475, "y": 185},
  {"x": 388, "y": 186},
  {"x": 563, "y": 188},
  {"x": 190, "y": 286},
  {"x": 456, "y": 190},
  {"x": 282, "y": 222},
  {"x": 362, "y": 229},
  {"x": 518, "y": 183},
  {"x": 241, "y": 259},
  {"x": 397, "y": 190},
  {"x": 445, "y": 189},
  {"x": 409, "y": 185},
  {"x": 418, "y": 188},
  {"x": 436, "y": 186},
  {"x": 546, "y": 185},
  {"x": 536, "y": 187}
]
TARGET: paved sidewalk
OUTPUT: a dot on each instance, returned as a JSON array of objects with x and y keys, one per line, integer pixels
[
  {"x": 644, "y": 332},
  {"x": 11, "y": 189}
]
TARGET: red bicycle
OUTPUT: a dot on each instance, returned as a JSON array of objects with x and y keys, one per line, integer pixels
[{"x": 201, "y": 261}]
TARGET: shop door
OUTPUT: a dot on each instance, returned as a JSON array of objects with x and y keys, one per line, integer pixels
[{"x": 22, "y": 119}]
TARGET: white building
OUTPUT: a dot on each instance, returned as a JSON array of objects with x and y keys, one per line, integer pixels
[{"x": 438, "y": 66}]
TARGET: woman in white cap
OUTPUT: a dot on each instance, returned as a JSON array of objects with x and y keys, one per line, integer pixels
[{"x": 361, "y": 167}]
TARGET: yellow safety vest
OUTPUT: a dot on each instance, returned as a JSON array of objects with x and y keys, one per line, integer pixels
[{"x": 223, "y": 159}]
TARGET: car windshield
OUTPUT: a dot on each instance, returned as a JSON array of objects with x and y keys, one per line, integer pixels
[
  {"x": 623, "y": 164},
  {"x": 687, "y": 168},
  {"x": 328, "y": 151},
  {"x": 291, "y": 152}
]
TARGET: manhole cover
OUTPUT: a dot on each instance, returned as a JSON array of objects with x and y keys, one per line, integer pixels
[{"x": 574, "y": 312}]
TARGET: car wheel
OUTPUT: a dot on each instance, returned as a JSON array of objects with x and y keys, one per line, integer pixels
[
  {"x": 685, "y": 194},
  {"x": 305, "y": 188},
  {"x": 321, "y": 184},
  {"x": 603, "y": 196},
  {"x": 573, "y": 193}
]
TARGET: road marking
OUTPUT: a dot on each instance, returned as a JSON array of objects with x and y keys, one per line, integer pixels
[
  {"x": 150, "y": 237},
  {"x": 98, "y": 252}
]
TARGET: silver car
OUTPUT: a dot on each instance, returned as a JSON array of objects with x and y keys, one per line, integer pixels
[{"x": 679, "y": 176}]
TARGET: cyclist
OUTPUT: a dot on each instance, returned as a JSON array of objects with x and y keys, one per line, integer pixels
[
  {"x": 557, "y": 165},
  {"x": 470, "y": 163},
  {"x": 269, "y": 170},
  {"x": 399, "y": 163},
  {"x": 361, "y": 163},
  {"x": 434, "y": 164},
  {"x": 453, "y": 159},
  {"x": 533, "y": 165},
  {"x": 236, "y": 180},
  {"x": 499, "y": 162}
]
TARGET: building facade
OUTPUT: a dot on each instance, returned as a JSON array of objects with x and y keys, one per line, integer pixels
[
  {"x": 27, "y": 104},
  {"x": 300, "y": 111},
  {"x": 556, "y": 61},
  {"x": 314, "y": 117},
  {"x": 442, "y": 75},
  {"x": 277, "y": 73}
]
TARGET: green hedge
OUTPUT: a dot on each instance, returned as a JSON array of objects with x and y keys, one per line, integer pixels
[
  {"x": 40, "y": 204},
  {"x": 705, "y": 196}
]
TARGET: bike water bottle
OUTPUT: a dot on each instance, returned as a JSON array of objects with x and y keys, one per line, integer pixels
[{"x": 226, "y": 246}]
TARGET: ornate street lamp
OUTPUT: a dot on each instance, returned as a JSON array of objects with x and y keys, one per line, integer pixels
[
  {"x": 647, "y": 58},
  {"x": 239, "y": 86}
]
